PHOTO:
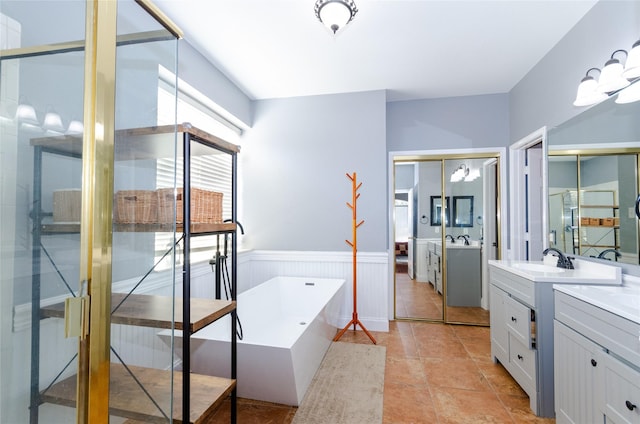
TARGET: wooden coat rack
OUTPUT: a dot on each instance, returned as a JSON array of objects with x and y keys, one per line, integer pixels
[{"x": 354, "y": 247}]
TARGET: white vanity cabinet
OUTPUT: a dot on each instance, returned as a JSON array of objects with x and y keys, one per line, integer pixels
[
  {"x": 597, "y": 355},
  {"x": 578, "y": 369},
  {"x": 422, "y": 260},
  {"x": 522, "y": 321},
  {"x": 522, "y": 334}
]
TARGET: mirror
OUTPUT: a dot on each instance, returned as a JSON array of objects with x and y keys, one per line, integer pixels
[
  {"x": 593, "y": 183},
  {"x": 463, "y": 211},
  {"x": 436, "y": 211},
  {"x": 446, "y": 276}
]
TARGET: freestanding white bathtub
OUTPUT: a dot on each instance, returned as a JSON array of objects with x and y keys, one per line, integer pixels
[{"x": 288, "y": 325}]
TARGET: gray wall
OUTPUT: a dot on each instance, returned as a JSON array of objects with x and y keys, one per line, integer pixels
[
  {"x": 448, "y": 123},
  {"x": 294, "y": 165},
  {"x": 194, "y": 69},
  {"x": 545, "y": 95}
]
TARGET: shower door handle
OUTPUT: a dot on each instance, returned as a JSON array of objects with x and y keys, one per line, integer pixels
[{"x": 638, "y": 206}]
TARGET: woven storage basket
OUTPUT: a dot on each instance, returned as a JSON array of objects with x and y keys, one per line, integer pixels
[
  {"x": 136, "y": 206},
  {"x": 206, "y": 206},
  {"x": 67, "y": 205}
]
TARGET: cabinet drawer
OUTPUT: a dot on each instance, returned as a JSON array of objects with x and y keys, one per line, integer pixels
[
  {"x": 518, "y": 318},
  {"x": 621, "y": 392},
  {"x": 513, "y": 284},
  {"x": 523, "y": 364}
]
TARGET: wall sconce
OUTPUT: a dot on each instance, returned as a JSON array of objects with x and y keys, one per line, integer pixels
[
  {"x": 632, "y": 67},
  {"x": 52, "y": 122},
  {"x": 588, "y": 93},
  {"x": 611, "y": 78},
  {"x": 460, "y": 173},
  {"x": 75, "y": 127},
  {"x": 614, "y": 79},
  {"x": 26, "y": 114}
]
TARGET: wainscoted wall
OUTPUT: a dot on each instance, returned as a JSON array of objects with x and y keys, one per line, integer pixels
[
  {"x": 142, "y": 346},
  {"x": 255, "y": 267}
]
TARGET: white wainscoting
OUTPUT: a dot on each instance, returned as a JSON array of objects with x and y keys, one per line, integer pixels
[
  {"x": 255, "y": 267},
  {"x": 141, "y": 346}
]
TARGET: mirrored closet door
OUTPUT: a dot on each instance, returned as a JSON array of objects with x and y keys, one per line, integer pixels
[{"x": 446, "y": 230}]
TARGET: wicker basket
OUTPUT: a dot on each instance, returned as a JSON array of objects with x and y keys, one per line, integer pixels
[
  {"x": 206, "y": 206},
  {"x": 67, "y": 205},
  {"x": 166, "y": 205},
  {"x": 136, "y": 207}
]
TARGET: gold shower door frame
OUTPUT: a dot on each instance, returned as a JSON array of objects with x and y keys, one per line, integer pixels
[{"x": 92, "y": 402}]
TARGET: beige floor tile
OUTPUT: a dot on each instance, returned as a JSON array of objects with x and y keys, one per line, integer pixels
[
  {"x": 456, "y": 406},
  {"x": 455, "y": 373}
]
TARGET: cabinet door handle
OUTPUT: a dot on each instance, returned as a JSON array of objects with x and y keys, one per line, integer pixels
[
  {"x": 630, "y": 406},
  {"x": 594, "y": 362},
  {"x": 514, "y": 319},
  {"x": 521, "y": 358}
]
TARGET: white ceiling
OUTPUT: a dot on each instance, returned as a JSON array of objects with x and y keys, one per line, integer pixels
[{"x": 414, "y": 49}]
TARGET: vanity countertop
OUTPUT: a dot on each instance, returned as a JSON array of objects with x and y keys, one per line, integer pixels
[
  {"x": 623, "y": 301},
  {"x": 585, "y": 272}
]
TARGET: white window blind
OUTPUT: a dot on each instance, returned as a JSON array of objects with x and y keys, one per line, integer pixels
[{"x": 209, "y": 172}]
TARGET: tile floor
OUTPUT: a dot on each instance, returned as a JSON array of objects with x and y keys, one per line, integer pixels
[
  {"x": 435, "y": 374},
  {"x": 420, "y": 300}
]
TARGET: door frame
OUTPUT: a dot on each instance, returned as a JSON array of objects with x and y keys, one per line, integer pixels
[
  {"x": 500, "y": 152},
  {"x": 519, "y": 196}
]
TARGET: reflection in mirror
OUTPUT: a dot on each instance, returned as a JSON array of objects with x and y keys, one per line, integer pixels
[
  {"x": 463, "y": 274},
  {"x": 463, "y": 211},
  {"x": 593, "y": 182},
  {"x": 416, "y": 293},
  {"x": 445, "y": 262},
  {"x": 591, "y": 205},
  {"x": 436, "y": 211}
]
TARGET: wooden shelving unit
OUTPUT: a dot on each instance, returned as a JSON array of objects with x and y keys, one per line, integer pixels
[
  {"x": 126, "y": 398},
  {"x": 156, "y": 311},
  {"x": 140, "y": 393}
]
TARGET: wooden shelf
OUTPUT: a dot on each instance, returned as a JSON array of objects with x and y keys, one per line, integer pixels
[
  {"x": 140, "y": 143},
  {"x": 126, "y": 398},
  {"x": 155, "y": 311},
  {"x": 196, "y": 228}
]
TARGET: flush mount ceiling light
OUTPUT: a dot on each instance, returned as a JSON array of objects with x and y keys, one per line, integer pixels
[
  {"x": 611, "y": 78},
  {"x": 335, "y": 14}
]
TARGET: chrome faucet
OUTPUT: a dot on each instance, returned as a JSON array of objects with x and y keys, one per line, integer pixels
[
  {"x": 563, "y": 261},
  {"x": 450, "y": 236},
  {"x": 465, "y": 237},
  {"x": 604, "y": 252}
]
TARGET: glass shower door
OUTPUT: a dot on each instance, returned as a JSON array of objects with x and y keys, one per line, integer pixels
[{"x": 41, "y": 99}]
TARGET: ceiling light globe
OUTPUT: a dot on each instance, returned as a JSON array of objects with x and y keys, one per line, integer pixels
[
  {"x": 629, "y": 95},
  {"x": 611, "y": 78},
  {"x": 588, "y": 93},
  {"x": 53, "y": 122},
  {"x": 335, "y": 14},
  {"x": 632, "y": 66}
]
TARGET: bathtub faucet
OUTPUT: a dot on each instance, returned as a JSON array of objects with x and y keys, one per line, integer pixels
[{"x": 563, "y": 261}]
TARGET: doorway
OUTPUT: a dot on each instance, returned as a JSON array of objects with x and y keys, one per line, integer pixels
[{"x": 455, "y": 230}]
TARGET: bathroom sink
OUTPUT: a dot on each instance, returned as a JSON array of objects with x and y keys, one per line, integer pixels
[{"x": 538, "y": 268}]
